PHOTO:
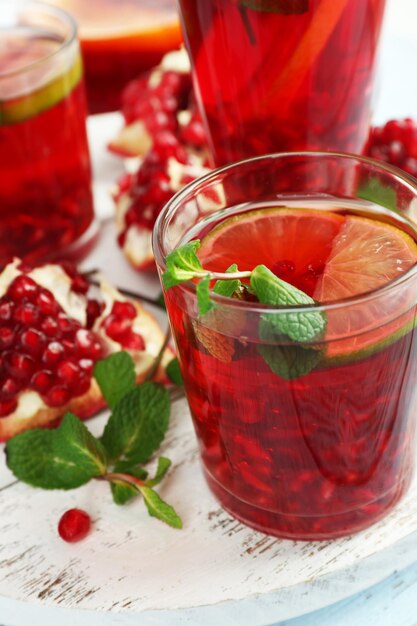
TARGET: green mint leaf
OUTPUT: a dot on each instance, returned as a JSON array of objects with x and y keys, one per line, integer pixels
[
  {"x": 174, "y": 372},
  {"x": 160, "y": 509},
  {"x": 227, "y": 287},
  {"x": 300, "y": 326},
  {"x": 121, "y": 491},
  {"x": 375, "y": 191},
  {"x": 65, "y": 458},
  {"x": 163, "y": 466},
  {"x": 182, "y": 264},
  {"x": 285, "y": 7},
  {"x": 115, "y": 376},
  {"x": 138, "y": 424},
  {"x": 78, "y": 449},
  {"x": 30, "y": 456},
  {"x": 203, "y": 295},
  {"x": 290, "y": 362}
]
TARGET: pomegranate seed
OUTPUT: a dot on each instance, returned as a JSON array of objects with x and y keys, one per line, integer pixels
[
  {"x": 6, "y": 310},
  {"x": 133, "y": 341},
  {"x": 69, "y": 346},
  {"x": 67, "y": 325},
  {"x": 26, "y": 313},
  {"x": 53, "y": 353},
  {"x": 10, "y": 388},
  {"x": 23, "y": 287},
  {"x": 68, "y": 373},
  {"x": 87, "y": 365},
  {"x": 80, "y": 284},
  {"x": 33, "y": 341},
  {"x": 47, "y": 303},
  {"x": 83, "y": 385},
  {"x": 7, "y": 406},
  {"x": 116, "y": 328},
  {"x": 41, "y": 381},
  {"x": 167, "y": 145},
  {"x": 57, "y": 396},
  {"x": 7, "y": 336},
  {"x": 396, "y": 143},
  {"x": 124, "y": 309},
  {"x": 50, "y": 327},
  {"x": 20, "y": 366},
  {"x": 74, "y": 525},
  {"x": 94, "y": 309},
  {"x": 88, "y": 345}
]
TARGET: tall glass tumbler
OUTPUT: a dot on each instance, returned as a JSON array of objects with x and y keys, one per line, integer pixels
[{"x": 46, "y": 204}]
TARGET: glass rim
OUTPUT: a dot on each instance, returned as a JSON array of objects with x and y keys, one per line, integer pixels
[
  {"x": 233, "y": 303},
  {"x": 64, "y": 16}
]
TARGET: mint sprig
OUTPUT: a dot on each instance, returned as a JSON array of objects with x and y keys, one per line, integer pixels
[
  {"x": 70, "y": 456},
  {"x": 301, "y": 327}
]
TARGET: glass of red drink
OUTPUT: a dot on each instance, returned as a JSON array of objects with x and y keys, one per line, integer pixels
[
  {"x": 280, "y": 75},
  {"x": 46, "y": 205},
  {"x": 121, "y": 39},
  {"x": 301, "y": 439}
]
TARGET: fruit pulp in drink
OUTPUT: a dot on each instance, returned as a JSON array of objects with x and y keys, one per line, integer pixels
[
  {"x": 305, "y": 82},
  {"x": 330, "y": 451},
  {"x": 45, "y": 195},
  {"x": 121, "y": 39}
]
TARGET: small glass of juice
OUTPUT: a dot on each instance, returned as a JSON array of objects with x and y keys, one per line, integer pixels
[
  {"x": 303, "y": 436},
  {"x": 121, "y": 39},
  {"x": 282, "y": 75},
  {"x": 46, "y": 205}
]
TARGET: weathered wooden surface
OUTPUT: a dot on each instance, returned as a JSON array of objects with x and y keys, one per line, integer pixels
[{"x": 133, "y": 565}]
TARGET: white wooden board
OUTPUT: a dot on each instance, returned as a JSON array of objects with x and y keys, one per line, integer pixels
[{"x": 213, "y": 569}]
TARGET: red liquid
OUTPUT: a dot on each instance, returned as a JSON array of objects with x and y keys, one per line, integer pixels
[
  {"x": 121, "y": 39},
  {"x": 271, "y": 82},
  {"x": 317, "y": 457},
  {"x": 45, "y": 193}
]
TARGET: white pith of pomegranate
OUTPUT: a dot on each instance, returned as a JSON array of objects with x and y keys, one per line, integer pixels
[{"x": 51, "y": 336}]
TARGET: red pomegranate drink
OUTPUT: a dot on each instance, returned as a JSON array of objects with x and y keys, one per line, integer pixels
[
  {"x": 305, "y": 439},
  {"x": 46, "y": 204},
  {"x": 121, "y": 39},
  {"x": 283, "y": 75}
]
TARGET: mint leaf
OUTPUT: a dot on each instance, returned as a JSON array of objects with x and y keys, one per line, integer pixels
[
  {"x": 290, "y": 362},
  {"x": 182, "y": 264},
  {"x": 203, "y": 295},
  {"x": 138, "y": 424},
  {"x": 115, "y": 376},
  {"x": 383, "y": 195},
  {"x": 123, "y": 492},
  {"x": 160, "y": 509},
  {"x": 78, "y": 449},
  {"x": 227, "y": 287},
  {"x": 285, "y": 7},
  {"x": 30, "y": 456},
  {"x": 297, "y": 325},
  {"x": 174, "y": 372},
  {"x": 65, "y": 458},
  {"x": 163, "y": 466}
]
